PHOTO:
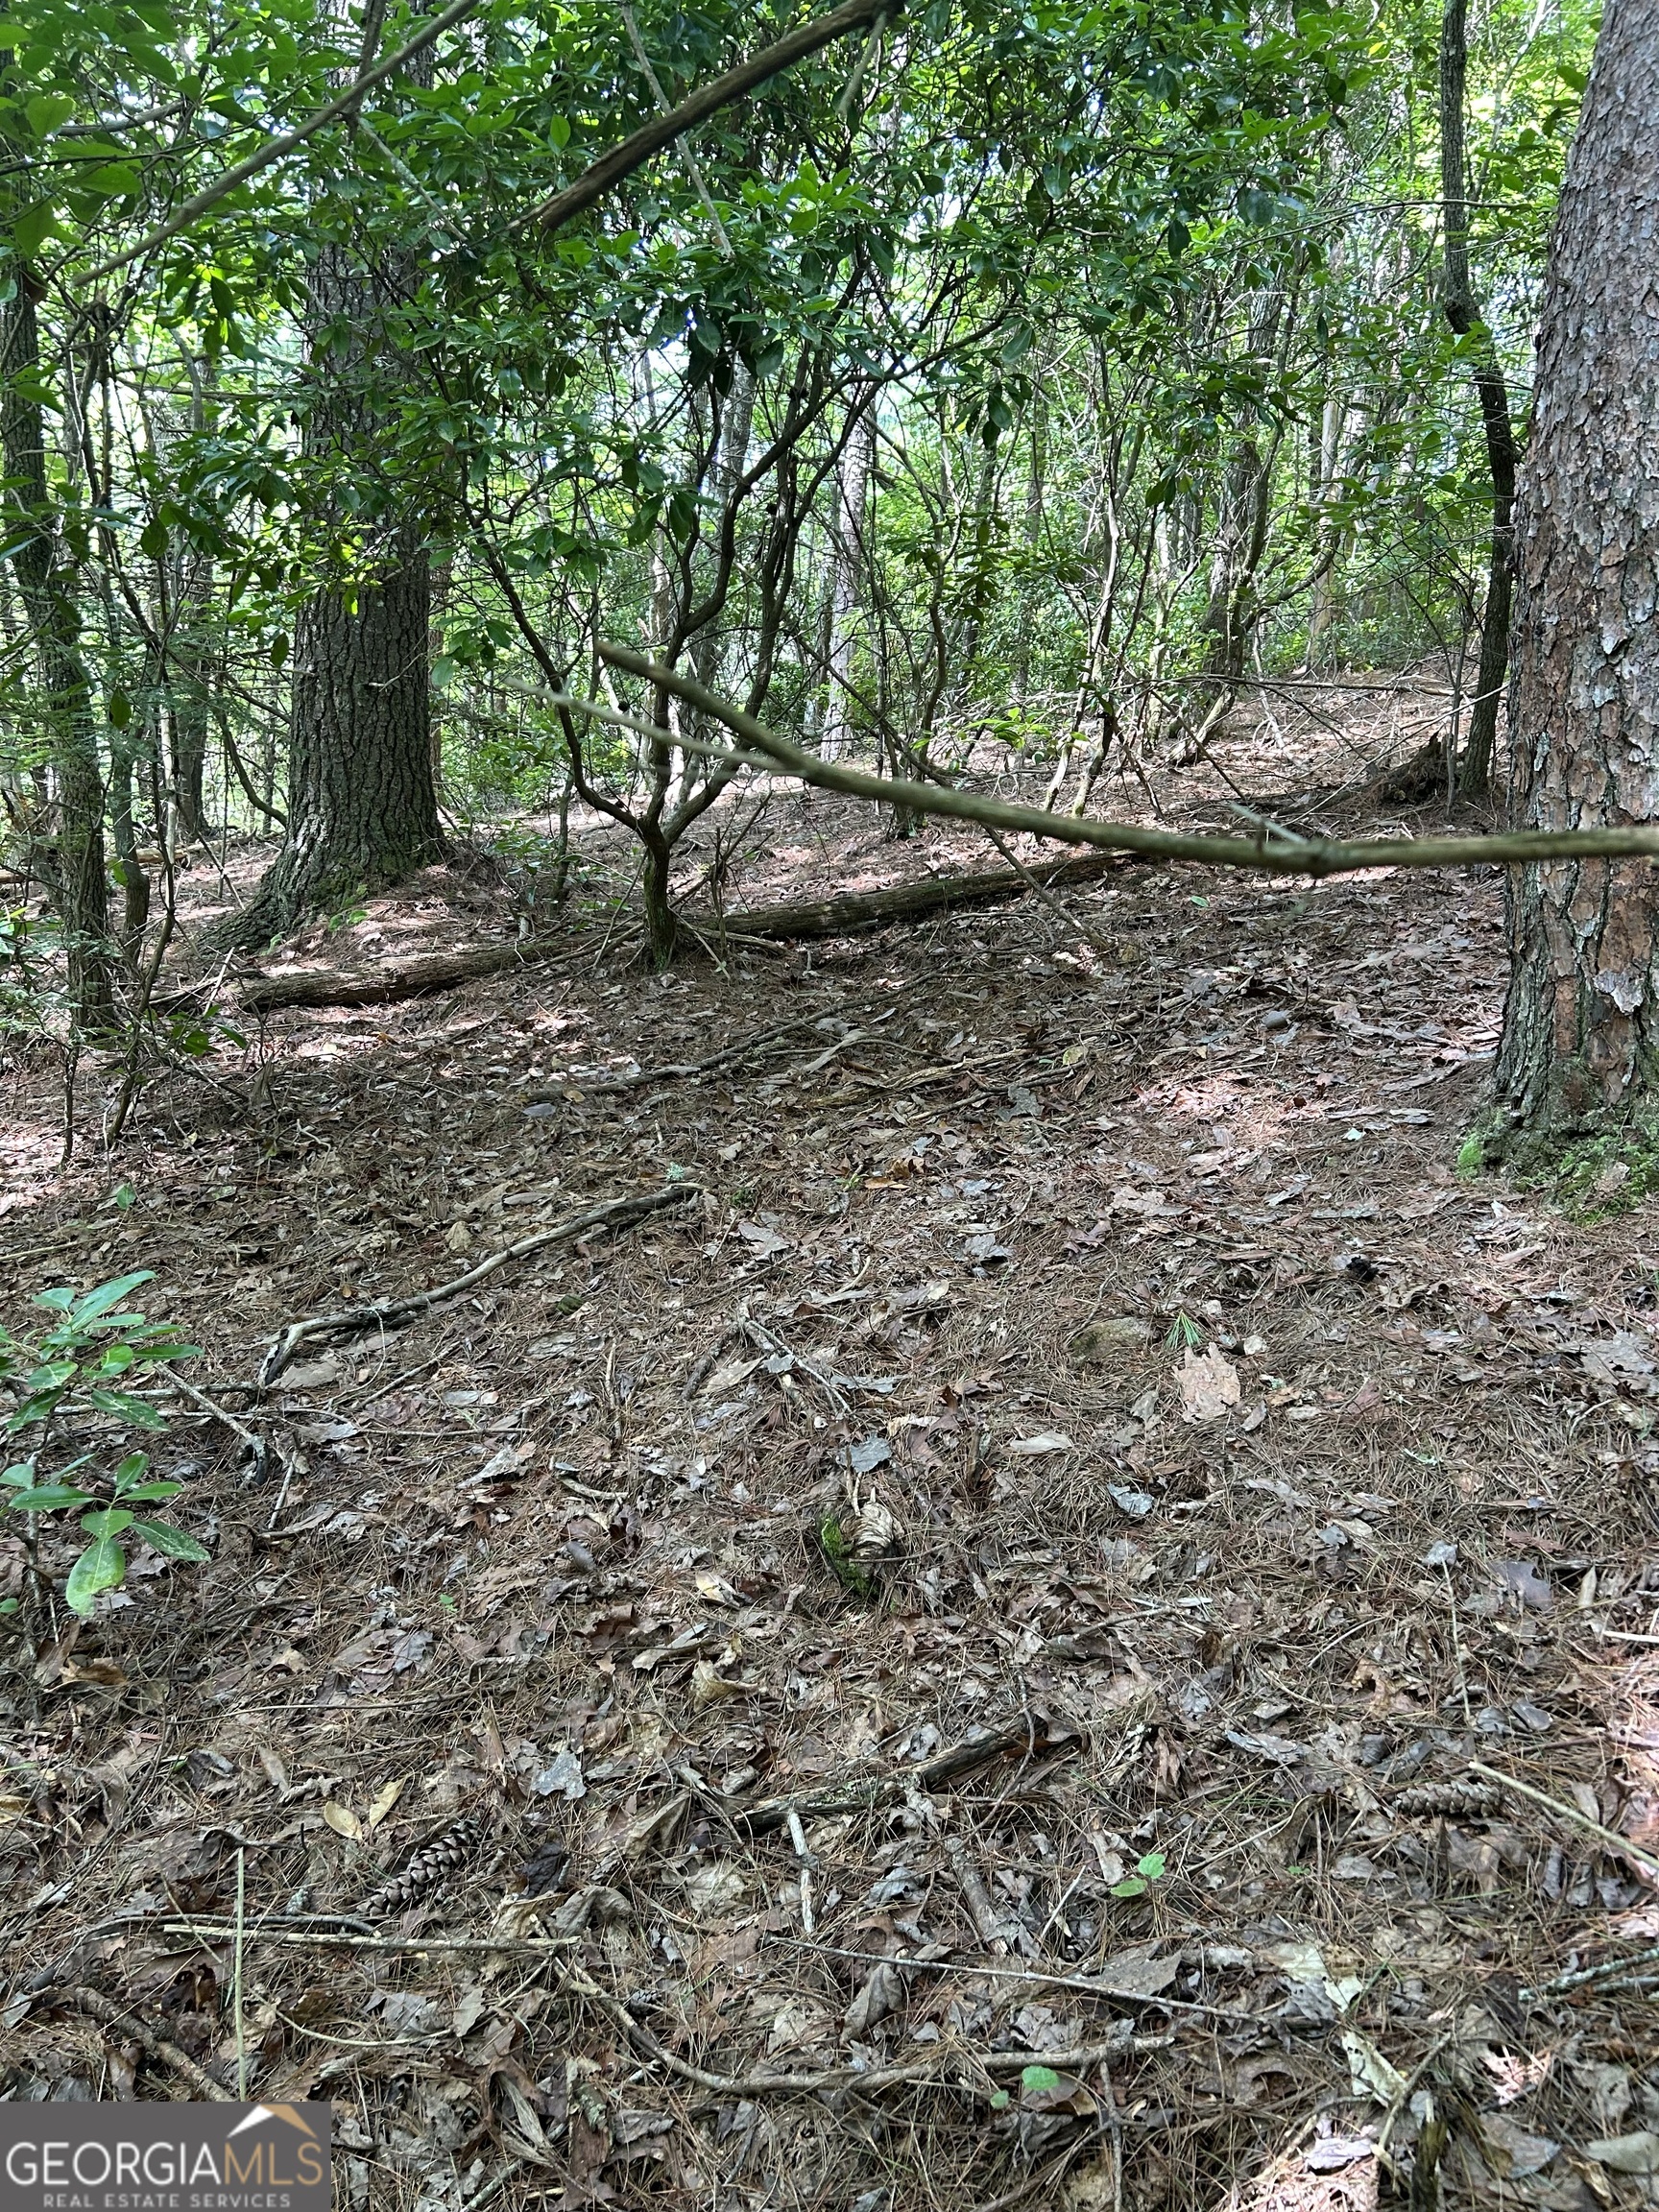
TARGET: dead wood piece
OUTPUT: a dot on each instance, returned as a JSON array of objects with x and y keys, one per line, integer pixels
[
  {"x": 104, "y": 2010},
  {"x": 331, "y": 1938},
  {"x": 409, "y": 978},
  {"x": 911, "y": 902},
  {"x": 1027, "y": 1732},
  {"x": 1470, "y": 1799},
  {"x": 988, "y": 1922},
  {"x": 613, "y": 1214}
]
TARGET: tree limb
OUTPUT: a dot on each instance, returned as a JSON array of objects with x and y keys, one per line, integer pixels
[
  {"x": 1270, "y": 851},
  {"x": 661, "y": 131}
]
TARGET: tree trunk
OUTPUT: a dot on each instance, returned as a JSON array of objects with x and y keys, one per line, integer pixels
[
  {"x": 75, "y": 864},
  {"x": 362, "y": 806},
  {"x": 1463, "y": 314},
  {"x": 1579, "y": 1056}
]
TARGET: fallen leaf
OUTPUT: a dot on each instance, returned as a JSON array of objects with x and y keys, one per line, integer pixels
[
  {"x": 709, "y": 1686},
  {"x": 385, "y": 1799},
  {"x": 343, "y": 1820},
  {"x": 1372, "y": 2073},
  {"x": 1627, "y": 2153},
  {"x": 1035, "y": 1447},
  {"x": 1136, "y": 1972},
  {"x": 1208, "y": 1385},
  {"x": 883, "y": 1992}
]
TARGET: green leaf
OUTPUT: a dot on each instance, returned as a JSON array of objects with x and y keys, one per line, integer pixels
[
  {"x": 1151, "y": 1867},
  {"x": 32, "y": 229},
  {"x": 108, "y": 1520},
  {"x": 129, "y": 1408},
  {"x": 172, "y": 1543},
  {"x": 97, "y": 1303},
  {"x": 155, "y": 1493},
  {"x": 128, "y": 1470},
  {"x": 21, "y": 1476},
  {"x": 102, "y": 1566},
  {"x": 1131, "y": 1886},
  {"x": 1033, "y": 2077},
  {"x": 120, "y": 711},
  {"x": 49, "y": 1498},
  {"x": 152, "y": 539},
  {"x": 46, "y": 110}
]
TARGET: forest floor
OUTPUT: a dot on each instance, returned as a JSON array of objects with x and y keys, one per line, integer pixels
[{"x": 1246, "y": 1486}]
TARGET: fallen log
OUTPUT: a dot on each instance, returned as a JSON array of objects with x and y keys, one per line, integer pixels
[
  {"x": 261, "y": 991},
  {"x": 851, "y": 910}
]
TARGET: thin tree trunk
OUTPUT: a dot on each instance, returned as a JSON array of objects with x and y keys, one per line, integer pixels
[
  {"x": 75, "y": 863},
  {"x": 1580, "y": 1045},
  {"x": 1463, "y": 314}
]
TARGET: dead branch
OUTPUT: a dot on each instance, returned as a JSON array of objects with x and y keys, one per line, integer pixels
[
  {"x": 104, "y": 2010},
  {"x": 1272, "y": 851},
  {"x": 220, "y": 1930},
  {"x": 676, "y": 1071},
  {"x": 614, "y": 1214},
  {"x": 912, "y": 901},
  {"x": 259, "y": 993},
  {"x": 1027, "y": 1732}
]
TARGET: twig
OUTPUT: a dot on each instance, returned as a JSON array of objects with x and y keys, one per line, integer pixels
[
  {"x": 97, "y": 2006},
  {"x": 831, "y": 2077},
  {"x": 677, "y": 1070},
  {"x": 1004, "y": 1970},
  {"x": 773, "y": 1812},
  {"x": 212, "y": 1931},
  {"x": 1646, "y": 1864},
  {"x": 614, "y": 1214},
  {"x": 1586, "y": 1976}
]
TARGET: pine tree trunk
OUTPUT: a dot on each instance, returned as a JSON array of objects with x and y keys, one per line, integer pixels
[
  {"x": 362, "y": 805},
  {"x": 1579, "y": 1054}
]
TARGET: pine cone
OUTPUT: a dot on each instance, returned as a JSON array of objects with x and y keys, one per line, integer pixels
[
  {"x": 1470, "y": 1799},
  {"x": 426, "y": 1869}
]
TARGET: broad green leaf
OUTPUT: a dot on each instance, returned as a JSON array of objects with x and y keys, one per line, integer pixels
[
  {"x": 108, "y": 1520},
  {"x": 32, "y": 229},
  {"x": 148, "y": 1493},
  {"x": 129, "y": 1408},
  {"x": 99, "y": 1302},
  {"x": 49, "y": 1498},
  {"x": 1039, "y": 2077},
  {"x": 172, "y": 1543},
  {"x": 46, "y": 110},
  {"x": 102, "y": 1566}
]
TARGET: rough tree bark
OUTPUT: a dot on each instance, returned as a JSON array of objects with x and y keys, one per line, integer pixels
[
  {"x": 362, "y": 806},
  {"x": 1462, "y": 312},
  {"x": 1579, "y": 1054},
  {"x": 74, "y": 863}
]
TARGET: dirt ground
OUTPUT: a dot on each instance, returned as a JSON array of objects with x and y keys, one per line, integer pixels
[{"x": 1268, "y": 1517}]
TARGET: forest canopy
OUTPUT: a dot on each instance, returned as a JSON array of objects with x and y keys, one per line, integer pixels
[{"x": 1055, "y": 376}]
